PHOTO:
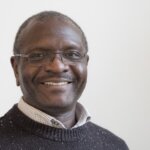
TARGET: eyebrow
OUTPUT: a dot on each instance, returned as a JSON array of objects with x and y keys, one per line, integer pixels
[{"x": 66, "y": 47}]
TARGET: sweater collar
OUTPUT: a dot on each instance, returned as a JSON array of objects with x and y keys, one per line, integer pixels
[{"x": 25, "y": 124}]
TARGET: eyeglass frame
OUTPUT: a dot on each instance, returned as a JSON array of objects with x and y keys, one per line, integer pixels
[{"x": 27, "y": 56}]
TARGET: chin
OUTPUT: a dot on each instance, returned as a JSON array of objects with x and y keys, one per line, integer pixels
[
  {"x": 56, "y": 108},
  {"x": 57, "y": 102}
]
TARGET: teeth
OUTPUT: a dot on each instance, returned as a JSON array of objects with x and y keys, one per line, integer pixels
[{"x": 56, "y": 84}]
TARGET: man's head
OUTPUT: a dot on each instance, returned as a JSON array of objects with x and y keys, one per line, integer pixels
[{"x": 51, "y": 61}]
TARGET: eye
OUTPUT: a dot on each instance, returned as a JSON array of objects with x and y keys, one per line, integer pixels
[
  {"x": 36, "y": 56},
  {"x": 73, "y": 55}
]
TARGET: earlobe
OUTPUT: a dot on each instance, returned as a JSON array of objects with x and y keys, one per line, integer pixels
[
  {"x": 14, "y": 65},
  {"x": 17, "y": 82}
]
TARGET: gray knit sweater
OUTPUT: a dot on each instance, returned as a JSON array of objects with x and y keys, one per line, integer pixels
[{"x": 18, "y": 132}]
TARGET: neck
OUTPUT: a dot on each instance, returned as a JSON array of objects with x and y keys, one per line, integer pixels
[{"x": 66, "y": 117}]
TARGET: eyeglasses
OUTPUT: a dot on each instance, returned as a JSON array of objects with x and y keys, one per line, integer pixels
[{"x": 38, "y": 58}]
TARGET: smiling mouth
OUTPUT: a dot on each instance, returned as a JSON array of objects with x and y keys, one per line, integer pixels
[{"x": 56, "y": 83}]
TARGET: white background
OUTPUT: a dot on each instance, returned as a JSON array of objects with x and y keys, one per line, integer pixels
[{"x": 118, "y": 31}]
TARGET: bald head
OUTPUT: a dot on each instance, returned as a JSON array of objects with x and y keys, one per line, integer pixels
[{"x": 44, "y": 17}]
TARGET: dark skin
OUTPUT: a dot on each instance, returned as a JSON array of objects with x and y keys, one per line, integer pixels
[{"x": 56, "y": 100}]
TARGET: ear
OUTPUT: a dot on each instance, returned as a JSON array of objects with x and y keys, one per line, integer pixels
[
  {"x": 14, "y": 64},
  {"x": 87, "y": 59}
]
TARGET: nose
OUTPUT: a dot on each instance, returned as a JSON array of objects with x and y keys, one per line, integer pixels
[{"x": 56, "y": 65}]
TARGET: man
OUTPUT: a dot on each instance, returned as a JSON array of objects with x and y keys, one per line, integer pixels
[{"x": 50, "y": 65}]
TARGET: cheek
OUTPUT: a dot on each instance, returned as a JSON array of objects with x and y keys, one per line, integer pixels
[
  {"x": 26, "y": 77},
  {"x": 80, "y": 72},
  {"x": 29, "y": 72}
]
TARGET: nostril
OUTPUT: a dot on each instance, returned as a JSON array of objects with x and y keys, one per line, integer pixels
[{"x": 66, "y": 70}]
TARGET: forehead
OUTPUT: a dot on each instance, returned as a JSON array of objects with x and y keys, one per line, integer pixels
[{"x": 52, "y": 32}]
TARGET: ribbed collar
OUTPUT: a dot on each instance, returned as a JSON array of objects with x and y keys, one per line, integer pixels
[
  {"x": 33, "y": 113},
  {"x": 25, "y": 124}
]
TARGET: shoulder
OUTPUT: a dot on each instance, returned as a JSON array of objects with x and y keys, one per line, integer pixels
[
  {"x": 106, "y": 137},
  {"x": 6, "y": 122}
]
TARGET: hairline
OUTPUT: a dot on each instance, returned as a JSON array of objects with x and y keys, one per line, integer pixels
[{"x": 44, "y": 16}]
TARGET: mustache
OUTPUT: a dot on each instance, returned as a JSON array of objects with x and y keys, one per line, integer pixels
[{"x": 56, "y": 75}]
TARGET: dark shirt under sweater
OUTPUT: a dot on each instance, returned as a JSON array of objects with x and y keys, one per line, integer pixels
[{"x": 18, "y": 132}]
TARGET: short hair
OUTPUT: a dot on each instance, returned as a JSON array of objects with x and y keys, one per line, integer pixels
[{"x": 44, "y": 16}]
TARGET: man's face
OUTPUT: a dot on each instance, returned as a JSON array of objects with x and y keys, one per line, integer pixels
[{"x": 56, "y": 84}]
